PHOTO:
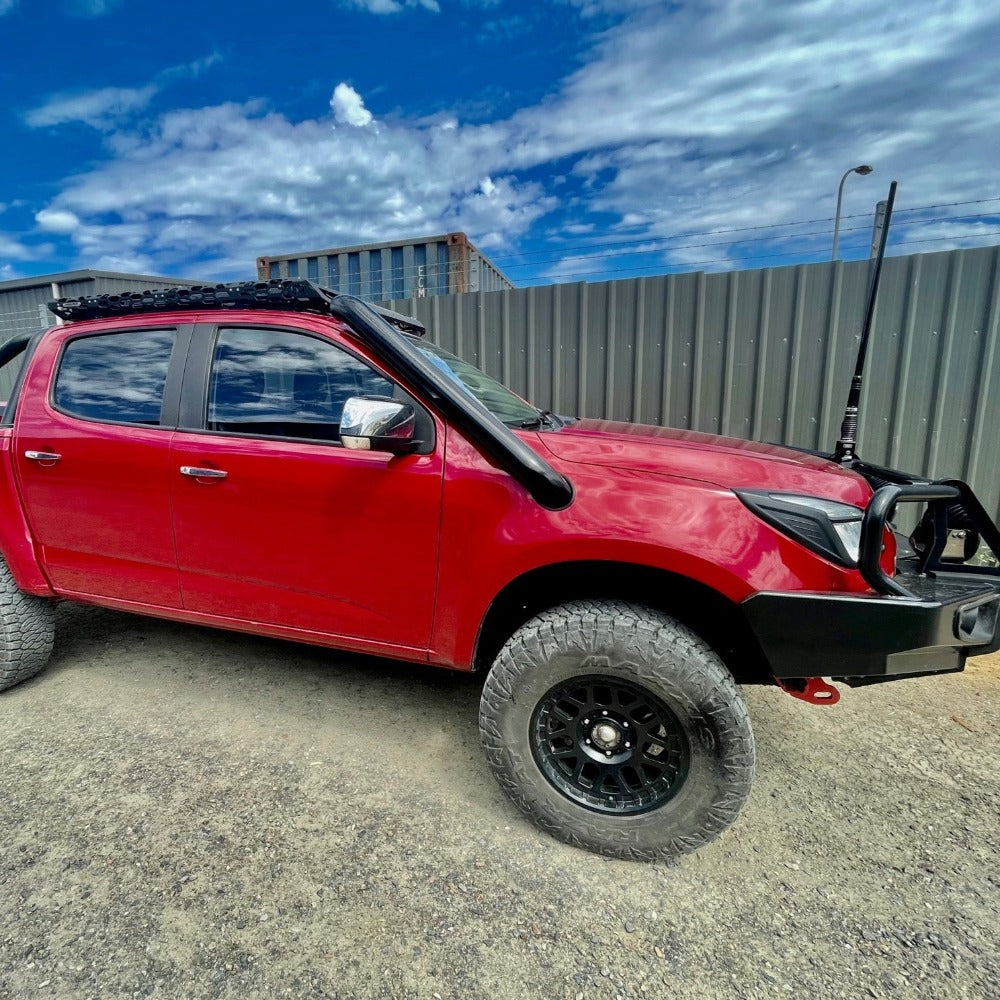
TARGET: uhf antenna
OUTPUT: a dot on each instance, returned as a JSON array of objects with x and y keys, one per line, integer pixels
[{"x": 844, "y": 452}]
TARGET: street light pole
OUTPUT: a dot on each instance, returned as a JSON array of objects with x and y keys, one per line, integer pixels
[
  {"x": 861, "y": 169},
  {"x": 878, "y": 227}
]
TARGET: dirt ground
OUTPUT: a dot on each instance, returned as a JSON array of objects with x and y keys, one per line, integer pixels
[{"x": 189, "y": 813}]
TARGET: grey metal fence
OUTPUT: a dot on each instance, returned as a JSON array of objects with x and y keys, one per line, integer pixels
[{"x": 764, "y": 354}]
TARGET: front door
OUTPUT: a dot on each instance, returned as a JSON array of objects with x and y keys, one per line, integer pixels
[{"x": 275, "y": 521}]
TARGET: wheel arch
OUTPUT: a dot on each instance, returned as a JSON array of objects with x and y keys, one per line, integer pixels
[{"x": 718, "y": 620}]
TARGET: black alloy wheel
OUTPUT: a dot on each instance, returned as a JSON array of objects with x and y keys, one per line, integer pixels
[{"x": 609, "y": 745}]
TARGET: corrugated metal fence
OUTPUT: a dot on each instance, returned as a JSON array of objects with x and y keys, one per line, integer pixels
[{"x": 764, "y": 354}]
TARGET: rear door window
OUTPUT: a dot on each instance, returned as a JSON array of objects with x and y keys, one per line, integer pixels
[{"x": 115, "y": 377}]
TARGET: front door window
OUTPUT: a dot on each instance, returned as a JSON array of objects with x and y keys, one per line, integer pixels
[{"x": 277, "y": 383}]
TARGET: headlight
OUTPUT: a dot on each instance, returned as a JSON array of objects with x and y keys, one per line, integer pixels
[{"x": 831, "y": 528}]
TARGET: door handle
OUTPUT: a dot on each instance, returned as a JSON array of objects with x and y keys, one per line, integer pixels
[
  {"x": 197, "y": 473},
  {"x": 42, "y": 456}
]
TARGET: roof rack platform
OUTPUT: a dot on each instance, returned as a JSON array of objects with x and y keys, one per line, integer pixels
[{"x": 291, "y": 294}]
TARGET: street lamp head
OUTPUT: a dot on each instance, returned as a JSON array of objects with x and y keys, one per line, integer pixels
[{"x": 861, "y": 168}]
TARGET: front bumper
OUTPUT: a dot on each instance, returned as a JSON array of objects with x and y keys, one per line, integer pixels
[
  {"x": 858, "y": 636},
  {"x": 926, "y": 619}
]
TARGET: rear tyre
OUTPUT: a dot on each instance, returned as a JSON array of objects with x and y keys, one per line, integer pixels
[
  {"x": 27, "y": 630},
  {"x": 615, "y": 728}
]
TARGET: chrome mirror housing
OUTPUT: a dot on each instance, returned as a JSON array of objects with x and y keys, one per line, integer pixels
[{"x": 377, "y": 423}]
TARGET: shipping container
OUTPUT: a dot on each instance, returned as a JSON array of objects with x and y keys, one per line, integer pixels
[{"x": 400, "y": 269}]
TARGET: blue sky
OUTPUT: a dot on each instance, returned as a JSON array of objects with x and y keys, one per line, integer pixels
[{"x": 571, "y": 139}]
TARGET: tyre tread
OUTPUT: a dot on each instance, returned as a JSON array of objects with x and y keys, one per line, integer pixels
[
  {"x": 655, "y": 637},
  {"x": 27, "y": 631}
]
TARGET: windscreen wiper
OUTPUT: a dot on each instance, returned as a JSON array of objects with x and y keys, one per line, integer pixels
[{"x": 545, "y": 418}]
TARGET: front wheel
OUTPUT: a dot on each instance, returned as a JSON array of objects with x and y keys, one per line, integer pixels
[{"x": 617, "y": 729}]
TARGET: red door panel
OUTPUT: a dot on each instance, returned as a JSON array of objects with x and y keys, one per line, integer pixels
[
  {"x": 311, "y": 536},
  {"x": 100, "y": 513}
]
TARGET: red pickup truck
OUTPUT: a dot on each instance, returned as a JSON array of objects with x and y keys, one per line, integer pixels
[{"x": 276, "y": 459}]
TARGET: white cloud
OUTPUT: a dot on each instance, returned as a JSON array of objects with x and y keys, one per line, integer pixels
[
  {"x": 683, "y": 119},
  {"x": 348, "y": 107},
  {"x": 94, "y": 8},
  {"x": 104, "y": 108},
  {"x": 57, "y": 220},
  {"x": 6, "y": 6},
  {"x": 192, "y": 69},
  {"x": 584, "y": 266},
  {"x": 97, "y": 108},
  {"x": 125, "y": 263},
  {"x": 392, "y": 6},
  {"x": 591, "y": 8},
  {"x": 920, "y": 237},
  {"x": 733, "y": 114},
  {"x": 234, "y": 182},
  {"x": 12, "y": 248}
]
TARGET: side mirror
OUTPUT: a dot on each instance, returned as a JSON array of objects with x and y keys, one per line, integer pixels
[{"x": 377, "y": 423}]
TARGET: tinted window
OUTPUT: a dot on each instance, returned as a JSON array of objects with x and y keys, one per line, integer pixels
[
  {"x": 274, "y": 382},
  {"x": 117, "y": 376}
]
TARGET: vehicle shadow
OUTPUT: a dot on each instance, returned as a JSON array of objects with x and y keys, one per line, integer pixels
[
  {"x": 249, "y": 691},
  {"x": 248, "y": 688}
]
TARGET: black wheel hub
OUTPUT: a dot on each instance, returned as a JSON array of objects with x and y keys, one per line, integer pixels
[{"x": 609, "y": 744}]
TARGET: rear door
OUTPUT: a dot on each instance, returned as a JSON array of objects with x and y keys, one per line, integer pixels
[
  {"x": 276, "y": 522},
  {"x": 91, "y": 448}
]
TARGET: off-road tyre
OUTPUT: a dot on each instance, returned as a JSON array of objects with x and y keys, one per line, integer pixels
[
  {"x": 635, "y": 648},
  {"x": 27, "y": 630}
]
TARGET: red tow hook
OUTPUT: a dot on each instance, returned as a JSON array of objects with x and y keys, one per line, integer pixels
[{"x": 813, "y": 690}]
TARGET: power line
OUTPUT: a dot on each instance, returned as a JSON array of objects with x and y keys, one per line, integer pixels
[
  {"x": 441, "y": 273},
  {"x": 743, "y": 242},
  {"x": 436, "y": 275},
  {"x": 433, "y": 269},
  {"x": 432, "y": 286},
  {"x": 755, "y": 257},
  {"x": 943, "y": 204},
  {"x": 570, "y": 248}
]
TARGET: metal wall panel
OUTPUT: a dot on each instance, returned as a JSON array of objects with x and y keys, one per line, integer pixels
[
  {"x": 104, "y": 285},
  {"x": 24, "y": 304},
  {"x": 765, "y": 354},
  {"x": 22, "y": 310}
]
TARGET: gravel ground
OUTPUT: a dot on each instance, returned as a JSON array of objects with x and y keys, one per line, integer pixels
[{"x": 189, "y": 813}]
